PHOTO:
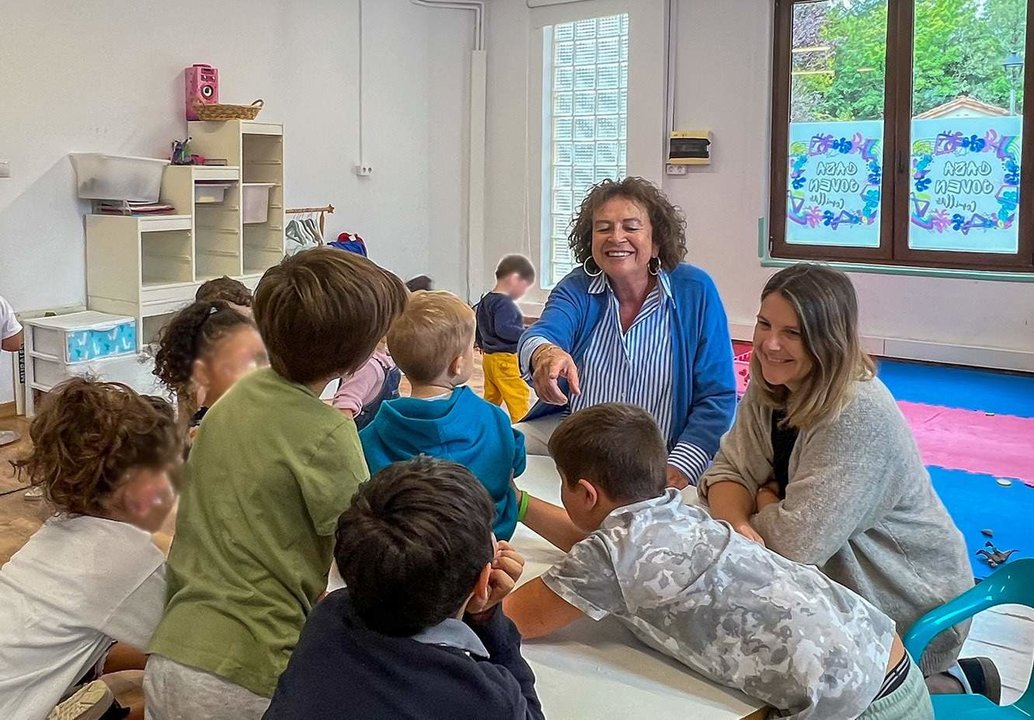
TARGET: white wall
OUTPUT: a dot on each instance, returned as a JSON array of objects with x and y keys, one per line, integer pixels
[
  {"x": 723, "y": 83},
  {"x": 107, "y": 77}
]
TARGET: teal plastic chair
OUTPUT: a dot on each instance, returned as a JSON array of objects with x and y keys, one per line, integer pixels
[{"x": 1012, "y": 583}]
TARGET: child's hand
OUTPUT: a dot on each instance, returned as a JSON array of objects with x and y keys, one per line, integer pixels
[
  {"x": 506, "y": 571},
  {"x": 747, "y": 530}
]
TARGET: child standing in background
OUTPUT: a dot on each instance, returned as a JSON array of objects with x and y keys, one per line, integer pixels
[
  {"x": 10, "y": 328},
  {"x": 206, "y": 348},
  {"x": 433, "y": 344},
  {"x": 10, "y": 341},
  {"x": 269, "y": 474},
  {"x": 91, "y": 575},
  {"x": 500, "y": 325}
]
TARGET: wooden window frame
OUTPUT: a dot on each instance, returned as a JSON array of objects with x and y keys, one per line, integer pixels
[{"x": 893, "y": 249}]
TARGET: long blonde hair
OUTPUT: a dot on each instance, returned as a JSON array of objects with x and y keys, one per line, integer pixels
[{"x": 827, "y": 310}]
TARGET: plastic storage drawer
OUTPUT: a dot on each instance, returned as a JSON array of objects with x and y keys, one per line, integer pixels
[{"x": 79, "y": 337}]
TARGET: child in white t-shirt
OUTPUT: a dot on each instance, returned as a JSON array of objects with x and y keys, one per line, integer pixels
[
  {"x": 91, "y": 576},
  {"x": 11, "y": 341},
  {"x": 10, "y": 328}
]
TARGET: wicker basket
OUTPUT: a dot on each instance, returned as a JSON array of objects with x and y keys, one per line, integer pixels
[{"x": 228, "y": 112}]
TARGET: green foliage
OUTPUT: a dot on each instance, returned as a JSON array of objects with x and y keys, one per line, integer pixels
[{"x": 959, "y": 47}]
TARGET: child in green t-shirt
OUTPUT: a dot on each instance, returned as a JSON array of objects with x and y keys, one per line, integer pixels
[{"x": 269, "y": 473}]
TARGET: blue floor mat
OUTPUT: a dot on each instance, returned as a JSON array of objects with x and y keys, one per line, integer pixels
[
  {"x": 966, "y": 388},
  {"x": 977, "y": 503}
]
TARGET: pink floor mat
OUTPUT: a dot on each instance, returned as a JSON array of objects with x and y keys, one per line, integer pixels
[{"x": 999, "y": 445}]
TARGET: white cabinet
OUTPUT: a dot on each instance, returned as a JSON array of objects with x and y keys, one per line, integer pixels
[{"x": 148, "y": 267}]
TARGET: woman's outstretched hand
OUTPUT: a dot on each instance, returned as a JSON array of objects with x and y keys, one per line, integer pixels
[{"x": 550, "y": 363}]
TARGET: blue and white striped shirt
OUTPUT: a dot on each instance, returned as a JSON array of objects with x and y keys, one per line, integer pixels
[{"x": 633, "y": 367}]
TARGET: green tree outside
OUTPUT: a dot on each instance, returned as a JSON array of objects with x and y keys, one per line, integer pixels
[{"x": 840, "y": 63}]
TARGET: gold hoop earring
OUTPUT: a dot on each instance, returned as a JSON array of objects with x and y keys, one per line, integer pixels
[
  {"x": 654, "y": 266},
  {"x": 590, "y": 273}
]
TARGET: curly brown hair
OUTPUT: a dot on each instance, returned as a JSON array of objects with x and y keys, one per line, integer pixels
[
  {"x": 192, "y": 332},
  {"x": 88, "y": 434},
  {"x": 667, "y": 221},
  {"x": 227, "y": 289}
]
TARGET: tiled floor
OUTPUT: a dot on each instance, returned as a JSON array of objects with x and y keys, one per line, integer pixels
[{"x": 1005, "y": 634}]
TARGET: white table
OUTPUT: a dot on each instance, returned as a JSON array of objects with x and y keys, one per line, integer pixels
[{"x": 599, "y": 670}]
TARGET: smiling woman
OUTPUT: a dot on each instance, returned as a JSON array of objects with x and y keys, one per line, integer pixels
[
  {"x": 822, "y": 468},
  {"x": 633, "y": 324}
]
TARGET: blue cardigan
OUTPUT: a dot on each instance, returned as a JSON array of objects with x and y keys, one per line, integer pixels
[{"x": 704, "y": 392}]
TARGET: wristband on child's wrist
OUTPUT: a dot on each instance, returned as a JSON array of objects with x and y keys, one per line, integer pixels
[{"x": 522, "y": 505}]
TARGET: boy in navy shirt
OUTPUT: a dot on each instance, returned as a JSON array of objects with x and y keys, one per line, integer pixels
[
  {"x": 499, "y": 327},
  {"x": 433, "y": 344},
  {"x": 418, "y": 632}
]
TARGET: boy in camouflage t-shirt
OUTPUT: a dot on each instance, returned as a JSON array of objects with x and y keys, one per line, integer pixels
[{"x": 693, "y": 589}]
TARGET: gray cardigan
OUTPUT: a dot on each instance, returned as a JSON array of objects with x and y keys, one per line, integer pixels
[{"x": 859, "y": 505}]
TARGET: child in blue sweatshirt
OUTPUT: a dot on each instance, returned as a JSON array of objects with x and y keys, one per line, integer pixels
[{"x": 433, "y": 344}]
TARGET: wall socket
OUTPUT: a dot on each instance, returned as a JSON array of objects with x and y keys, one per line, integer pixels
[
  {"x": 363, "y": 170},
  {"x": 5, "y": 168},
  {"x": 676, "y": 169}
]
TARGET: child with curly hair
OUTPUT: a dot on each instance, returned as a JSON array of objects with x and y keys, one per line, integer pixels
[
  {"x": 91, "y": 576},
  {"x": 206, "y": 348},
  {"x": 228, "y": 290}
]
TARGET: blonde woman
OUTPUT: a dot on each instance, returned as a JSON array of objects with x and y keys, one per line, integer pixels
[{"x": 822, "y": 468}]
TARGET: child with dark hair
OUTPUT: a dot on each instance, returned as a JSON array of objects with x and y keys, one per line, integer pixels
[
  {"x": 696, "y": 590},
  {"x": 91, "y": 575},
  {"x": 500, "y": 325},
  {"x": 269, "y": 474},
  {"x": 417, "y": 632},
  {"x": 433, "y": 344},
  {"x": 206, "y": 348},
  {"x": 229, "y": 291}
]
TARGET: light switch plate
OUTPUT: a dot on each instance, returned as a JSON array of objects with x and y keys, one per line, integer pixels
[{"x": 5, "y": 168}]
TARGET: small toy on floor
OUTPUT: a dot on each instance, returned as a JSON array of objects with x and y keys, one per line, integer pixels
[{"x": 994, "y": 557}]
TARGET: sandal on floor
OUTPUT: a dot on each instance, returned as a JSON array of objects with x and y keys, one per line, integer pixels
[{"x": 90, "y": 702}]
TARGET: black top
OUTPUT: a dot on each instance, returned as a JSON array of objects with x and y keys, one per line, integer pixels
[
  {"x": 342, "y": 670},
  {"x": 783, "y": 440},
  {"x": 500, "y": 324}
]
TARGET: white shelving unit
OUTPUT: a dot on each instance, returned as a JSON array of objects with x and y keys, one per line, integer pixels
[
  {"x": 258, "y": 148},
  {"x": 139, "y": 266},
  {"x": 150, "y": 267}
]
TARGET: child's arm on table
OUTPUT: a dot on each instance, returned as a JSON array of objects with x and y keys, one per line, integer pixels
[
  {"x": 552, "y": 523},
  {"x": 536, "y": 610}
]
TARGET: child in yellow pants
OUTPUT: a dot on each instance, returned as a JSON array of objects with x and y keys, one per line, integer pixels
[{"x": 499, "y": 327}]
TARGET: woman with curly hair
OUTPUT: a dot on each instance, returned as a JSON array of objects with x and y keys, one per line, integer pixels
[
  {"x": 206, "y": 348},
  {"x": 634, "y": 324},
  {"x": 91, "y": 576}
]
